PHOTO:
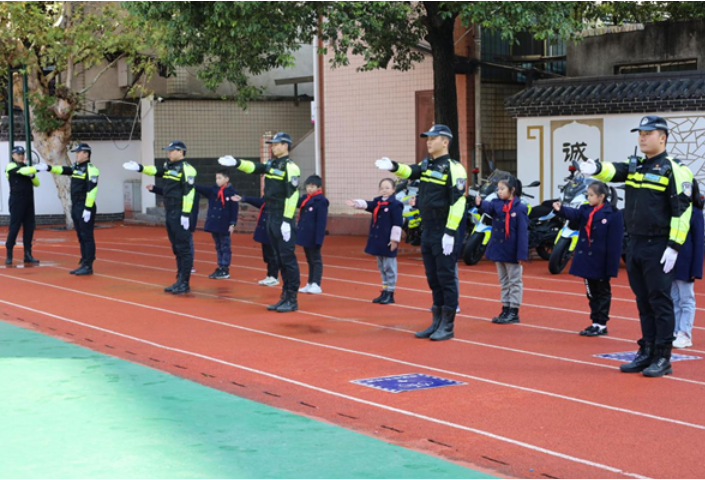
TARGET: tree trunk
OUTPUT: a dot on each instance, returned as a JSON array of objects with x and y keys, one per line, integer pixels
[{"x": 440, "y": 36}]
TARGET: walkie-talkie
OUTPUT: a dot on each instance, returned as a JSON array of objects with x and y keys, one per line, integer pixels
[{"x": 633, "y": 160}]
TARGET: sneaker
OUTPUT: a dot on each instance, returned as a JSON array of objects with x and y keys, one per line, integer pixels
[
  {"x": 215, "y": 273},
  {"x": 193, "y": 270},
  {"x": 269, "y": 282},
  {"x": 222, "y": 273},
  {"x": 305, "y": 289},
  {"x": 457, "y": 309},
  {"x": 314, "y": 289},
  {"x": 682, "y": 341},
  {"x": 594, "y": 331}
]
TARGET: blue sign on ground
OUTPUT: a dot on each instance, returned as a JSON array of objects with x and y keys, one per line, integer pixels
[
  {"x": 629, "y": 356},
  {"x": 407, "y": 382}
]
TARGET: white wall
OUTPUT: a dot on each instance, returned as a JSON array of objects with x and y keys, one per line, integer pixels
[
  {"x": 606, "y": 137},
  {"x": 107, "y": 156}
]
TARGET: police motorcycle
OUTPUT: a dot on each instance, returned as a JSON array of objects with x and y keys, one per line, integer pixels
[
  {"x": 542, "y": 221},
  {"x": 574, "y": 194},
  {"x": 405, "y": 191}
]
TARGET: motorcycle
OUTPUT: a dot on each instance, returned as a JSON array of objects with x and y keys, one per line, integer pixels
[{"x": 405, "y": 192}]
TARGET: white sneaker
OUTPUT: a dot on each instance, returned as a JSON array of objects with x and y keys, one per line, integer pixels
[
  {"x": 682, "y": 341},
  {"x": 457, "y": 309},
  {"x": 269, "y": 282},
  {"x": 305, "y": 289},
  {"x": 193, "y": 270},
  {"x": 314, "y": 289}
]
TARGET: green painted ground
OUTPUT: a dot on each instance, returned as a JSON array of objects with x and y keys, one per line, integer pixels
[{"x": 69, "y": 412}]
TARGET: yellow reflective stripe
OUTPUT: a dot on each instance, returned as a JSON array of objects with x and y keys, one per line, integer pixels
[
  {"x": 290, "y": 205},
  {"x": 92, "y": 173},
  {"x": 404, "y": 171},
  {"x": 27, "y": 171},
  {"x": 77, "y": 174},
  {"x": 150, "y": 170},
  {"x": 173, "y": 177},
  {"x": 607, "y": 173},
  {"x": 457, "y": 210},
  {"x": 433, "y": 180},
  {"x": 640, "y": 177},
  {"x": 677, "y": 235},
  {"x": 273, "y": 176},
  {"x": 658, "y": 188},
  {"x": 56, "y": 169},
  {"x": 681, "y": 224},
  {"x": 35, "y": 181},
  {"x": 187, "y": 201},
  {"x": 246, "y": 166}
]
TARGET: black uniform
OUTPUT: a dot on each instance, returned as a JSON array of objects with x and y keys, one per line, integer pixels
[
  {"x": 179, "y": 200},
  {"x": 22, "y": 180},
  {"x": 84, "y": 188},
  {"x": 441, "y": 203},
  {"x": 657, "y": 215}
]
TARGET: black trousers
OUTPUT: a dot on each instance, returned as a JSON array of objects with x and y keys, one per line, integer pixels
[
  {"x": 652, "y": 288},
  {"x": 599, "y": 294},
  {"x": 84, "y": 231},
  {"x": 441, "y": 270},
  {"x": 21, "y": 215},
  {"x": 285, "y": 253},
  {"x": 270, "y": 258},
  {"x": 315, "y": 264},
  {"x": 180, "y": 244}
]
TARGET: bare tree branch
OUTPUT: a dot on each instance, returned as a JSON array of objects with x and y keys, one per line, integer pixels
[{"x": 100, "y": 74}]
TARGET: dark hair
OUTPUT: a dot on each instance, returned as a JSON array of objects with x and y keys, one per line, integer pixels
[
  {"x": 390, "y": 180},
  {"x": 698, "y": 201},
  {"x": 314, "y": 180},
  {"x": 600, "y": 188},
  {"x": 512, "y": 184},
  {"x": 224, "y": 172}
]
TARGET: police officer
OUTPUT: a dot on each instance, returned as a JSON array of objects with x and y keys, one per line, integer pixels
[
  {"x": 441, "y": 202},
  {"x": 84, "y": 189},
  {"x": 657, "y": 216},
  {"x": 23, "y": 180},
  {"x": 179, "y": 192},
  {"x": 281, "y": 194}
]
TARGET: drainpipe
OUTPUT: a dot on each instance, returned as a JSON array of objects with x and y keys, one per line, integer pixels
[{"x": 478, "y": 99}]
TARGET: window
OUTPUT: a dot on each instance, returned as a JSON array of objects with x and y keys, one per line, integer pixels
[{"x": 674, "y": 66}]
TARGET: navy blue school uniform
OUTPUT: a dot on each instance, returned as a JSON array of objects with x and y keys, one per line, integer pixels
[
  {"x": 222, "y": 211},
  {"x": 515, "y": 247},
  {"x": 260, "y": 235},
  {"x": 389, "y": 213},
  {"x": 312, "y": 220},
  {"x": 689, "y": 264},
  {"x": 598, "y": 258}
]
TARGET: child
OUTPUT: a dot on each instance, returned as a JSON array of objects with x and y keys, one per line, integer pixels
[
  {"x": 509, "y": 244},
  {"x": 385, "y": 235},
  {"x": 221, "y": 220},
  {"x": 193, "y": 219},
  {"x": 597, "y": 253},
  {"x": 260, "y": 236},
  {"x": 689, "y": 266},
  {"x": 312, "y": 230}
]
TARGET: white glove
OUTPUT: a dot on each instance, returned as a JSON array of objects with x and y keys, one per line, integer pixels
[
  {"x": 669, "y": 259},
  {"x": 588, "y": 167},
  {"x": 448, "y": 244},
  {"x": 42, "y": 167},
  {"x": 185, "y": 222},
  {"x": 361, "y": 204},
  {"x": 228, "y": 161},
  {"x": 86, "y": 215},
  {"x": 286, "y": 231},
  {"x": 384, "y": 164},
  {"x": 132, "y": 166}
]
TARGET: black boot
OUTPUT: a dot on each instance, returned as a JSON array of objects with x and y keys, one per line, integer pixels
[
  {"x": 512, "y": 317},
  {"x": 388, "y": 298},
  {"x": 223, "y": 273},
  {"x": 171, "y": 288},
  {"x": 504, "y": 314},
  {"x": 445, "y": 329},
  {"x": 290, "y": 304},
  {"x": 436, "y": 312},
  {"x": 661, "y": 364},
  {"x": 281, "y": 301},
  {"x": 643, "y": 358},
  {"x": 86, "y": 269},
  {"x": 80, "y": 265},
  {"x": 8, "y": 258},
  {"x": 28, "y": 258},
  {"x": 381, "y": 297},
  {"x": 215, "y": 273},
  {"x": 183, "y": 286}
]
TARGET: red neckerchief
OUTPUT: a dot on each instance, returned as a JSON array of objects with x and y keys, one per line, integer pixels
[
  {"x": 303, "y": 204},
  {"x": 259, "y": 215},
  {"x": 220, "y": 196},
  {"x": 376, "y": 211},
  {"x": 588, "y": 227},
  {"x": 506, "y": 208}
]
